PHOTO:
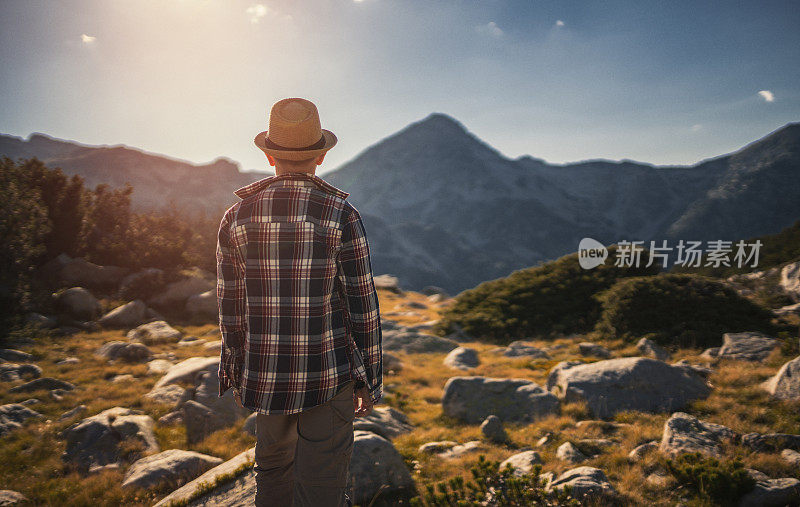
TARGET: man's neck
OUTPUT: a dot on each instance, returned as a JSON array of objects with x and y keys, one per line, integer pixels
[{"x": 279, "y": 171}]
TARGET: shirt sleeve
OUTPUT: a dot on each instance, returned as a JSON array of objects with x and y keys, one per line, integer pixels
[
  {"x": 360, "y": 298},
  {"x": 231, "y": 300}
]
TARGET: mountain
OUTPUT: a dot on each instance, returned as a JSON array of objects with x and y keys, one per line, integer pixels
[{"x": 157, "y": 180}]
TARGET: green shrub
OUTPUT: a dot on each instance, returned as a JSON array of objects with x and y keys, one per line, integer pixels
[
  {"x": 492, "y": 486},
  {"x": 682, "y": 310},
  {"x": 720, "y": 483},
  {"x": 554, "y": 298}
]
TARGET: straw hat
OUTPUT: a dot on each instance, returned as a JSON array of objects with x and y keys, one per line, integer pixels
[{"x": 294, "y": 131}]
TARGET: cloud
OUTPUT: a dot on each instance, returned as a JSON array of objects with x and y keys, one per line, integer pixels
[
  {"x": 696, "y": 127},
  {"x": 559, "y": 22},
  {"x": 491, "y": 29},
  {"x": 767, "y": 95},
  {"x": 256, "y": 12},
  {"x": 88, "y": 39}
]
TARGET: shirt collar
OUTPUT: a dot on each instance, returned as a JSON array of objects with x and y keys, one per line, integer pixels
[{"x": 289, "y": 179}]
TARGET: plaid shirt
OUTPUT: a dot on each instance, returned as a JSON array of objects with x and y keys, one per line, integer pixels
[{"x": 298, "y": 308}]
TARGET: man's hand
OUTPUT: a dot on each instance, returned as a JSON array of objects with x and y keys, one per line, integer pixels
[{"x": 362, "y": 403}]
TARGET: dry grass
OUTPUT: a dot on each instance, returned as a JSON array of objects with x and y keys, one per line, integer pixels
[{"x": 30, "y": 458}]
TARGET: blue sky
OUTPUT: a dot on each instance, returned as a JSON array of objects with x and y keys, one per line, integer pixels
[{"x": 660, "y": 82}]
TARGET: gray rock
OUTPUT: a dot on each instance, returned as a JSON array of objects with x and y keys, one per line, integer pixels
[
  {"x": 414, "y": 342},
  {"x": 79, "y": 410},
  {"x": 685, "y": 433},
  {"x": 13, "y": 415},
  {"x": 178, "y": 293},
  {"x": 215, "y": 345},
  {"x": 472, "y": 399},
  {"x": 78, "y": 303},
  {"x": 461, "y": 450},
  {"x": 770, "y": 442},
  {"x": 174, "y": 466},
  {"x": 604, "y": 426},
  {"x": 203, "y": 305},
  {"x": 630, "y": 383},
  {"x": 201, "y": 421},
  {"x": 128, "y": 315},
  {"x": 711, "y": 354},
  {"x": 158, "y": 366},
  {"x": 376, "y": 463},
  {"x": 13, "y": 371},
  {"x": 785, "y": 385},
  {"x": 69, "y": 360},
  {"x": 555, "y": 373},
  {"x": 492, "y": 429},
  {"x": 188, "y": 370},
  {"x": 9, "y": 497},
  {"x": 790, "y": 280},
  {"x": 569, "y": 453},
  {"x": 462, "y": 358},
  {"x": 151, "y": 279},
  {"x": 747, "y": 346},
  {"x": 649, "y": 348},
  {"x": 524, "y": 349},
  {"x": 124, "y": 351},
  {"x": 384, "y": 421},
  {"x": 788, "y": 310},
  {"x": 225, "y": 408},
  {"x": 522, "y": 462},
  {"x": 585, "y": 482},
  {"x": 95, "y": 442},
  {"x": 65, "y": 270},
  {"x": 773, "y": 493},
  {"x": 593, "y": 349},
  {"x": 42, "y": 321},
  {"x": 387, "y": 282},
  {"x": 436, "y": 447},
  {"x": 391, "y": 363},
  {"x": 791, "y": 457},
  {"x": 172, "y": 395},
  {"x": 171, "y": 418},
  {"x": 127, "y": 377},
  {"x": 42, "y": 383},
  {"x": 250, "y": 425},
  {"x": 15, "y": 355},
  {"x": 154, "y": 333},
  {"x": 703, "y": 371},
  {"x": 643, "y": 450}
]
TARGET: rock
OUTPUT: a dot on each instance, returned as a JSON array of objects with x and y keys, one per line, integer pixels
[
  {"x": 96, "y": 441},
  {"x": 249, "y": 425},
  {"x": 10, "y": 497},
  {"x": 78, "y": 303},
  {"x": 387, "y": 282},
  {"x": 124, "y": 351},
  {"x": 436, "y": 298},
  {"x": 524, "y": 349},
  {"x": 711, "y": 354},
  {"x": 64, "y": 270},
  {"x": 545, "y": 440},
  {"x": 188, "y": 370},
  {"x": 522, "y": 462},
  {"x": 376, "y": 466},
  {"x": 79, "y": 410},
  {"x": 788, "y": 310},
  {"x": 158, "y": 366},
  {"x": 178, "y": 293},
  {"x": 703, "y": 371},
  {"x": 747, "y": 346},
  {"x": 13, "y": 415},
  {"x": 492, "y": 429},
  {"x": 593, "y": 349},
  {"x": 413, "y": 342},
  {"x": 201, "y": 421},
  {"x": 785, "y": 385},
  {"x": 569, "y": 453},
  {"x": 436, "y": 447},
  {"x": 42, "y": 321},
  {"x": 190, "y": 341},
  {"x": 42, "y": 383},
  {"x": 128, "y": 315},
  {"x": 171, "y": 418},
  {"x": 773, "y": 493},
  {"x": 685, "y": 433},
  {"x": 430, "y": 290},
  {"x": 69, "y": 360},
  {"x": 585, "y": 482},
  {"x": 172, "y": 395},
  {"x": 384, "y": 421},
  {"x": 203, "y": 305},
  {"x": 30, "y": 401},
  {"x": 630, "y": 383},
  {"x": 791, "y": 457},
  {"x": 649, "y": 348},
  {"x": 604, "y": 426},
  {"x": 643, "y": 450},
  {"x": 213, "y": 345},
  {"x": 225, "y": 408},
  {"x": 461, "y": 450},
  {"x": 790, "y": 280},
  {"x": 756, "y": 475},
  {"x": 13, "y": 371},
  {"x": 659, "y": 479},
  {"x": 14, "y": 355},
  {"x": 462, "y": 358},
  {"x": 154, "y": 333},
  {"x": 472, "y": 399},
  {"x": 142, "y": 284},
  {"x": 391, "y": 363},
  {"x": 174, "y": 466},
  {"x": 770, "y": 442},
  {"x": 556, "y": 373}
]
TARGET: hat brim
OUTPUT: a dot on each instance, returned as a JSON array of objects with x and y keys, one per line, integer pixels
[{"x": 330, "y": 142}]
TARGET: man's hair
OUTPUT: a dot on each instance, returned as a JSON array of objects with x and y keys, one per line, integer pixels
[{"x": 295, "y": 164}]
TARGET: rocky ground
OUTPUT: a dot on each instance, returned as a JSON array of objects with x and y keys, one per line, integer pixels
[{"x": 121, "y": 408}]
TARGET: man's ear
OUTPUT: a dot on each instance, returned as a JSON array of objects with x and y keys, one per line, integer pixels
[
  {"x": 271, "y": 160},
  {"x": 321, "y": 158}
]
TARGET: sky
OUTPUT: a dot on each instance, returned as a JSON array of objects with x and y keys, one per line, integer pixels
[{"x": 660, "y": 82}]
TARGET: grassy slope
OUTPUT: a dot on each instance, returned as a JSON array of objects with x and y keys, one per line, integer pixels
[{"x": 30, "y": 457}]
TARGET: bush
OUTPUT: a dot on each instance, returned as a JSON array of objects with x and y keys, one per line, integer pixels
[
  {"x": 554, "y": 298},
  {"x": 714, "y": 481},
  {"x": 681, "y": 310},
  {"x": 492, "y": 486}
]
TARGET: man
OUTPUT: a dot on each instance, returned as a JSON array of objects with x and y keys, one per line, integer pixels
[{"x": 299, "y": 315}]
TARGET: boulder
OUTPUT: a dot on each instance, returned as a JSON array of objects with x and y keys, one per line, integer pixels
[
  {"x": 771, "y": 442},
  {"x": 643, "y": 450},
  {"x": 584, "y": 482},
  {"x": 773, "y": 493},
  {"x": 649, "y": 348},
  {"x": 788, "y": 310},
  {"x": 174, "y": 466},
  {"x": 13, "y": 415},
  {"x": 523, "y": 462},
  {"x": 569, "y": 453},
  {"x": 171, "y": 418},
  {"x": 376, "y": 466},
  {"x": 178, "y": 293},
  {"x": 154, "y": 333},
  {"x": 685, "y": 433},
  {"x": 600, "y": 425},
  {"x": 384, "y": 421},
  {"x": 225, "y": 408},
  {"x": 13, "y": 371},
  {"x": 593, "y": 349},
  {"x": 710, "y": 354},
  {"x": 188, "y": 370},
  {"x": 78, "y": 303},
  {"x": 492, "y": 429},
  {"x": 64, "y": 270},
  {"x": 201, "y": 421},
  {"x": 387, "y": 282},
  {"x": 79, "y": 410},
  {"x": 785, "y": 385},
  {"x": 158, "y": 366},
  {"x": 472, "y": 399},
  {"x": 173, "y": 395},
  {"x": 95, "y": 442},
  {"x": 124, "y": 351},
  {"x": 790, "y": 280},
  {"x": 747, "y": 346},
  {"x": 461, "y": 450},
  {"x": 48, "y": 383},
  {"x": 42, "y": 321},
  {"x": 391, "y": 363},
  {"x": 703, "y": 371},
  {"x": 10, "y": 497},
  {"x": 630, "y": 383},
  {"x": 203, "y": 305},
  {"x": 791, "y": 457},
  {"x": 414, "y": 342},
  {"x": 14, "y": 355},
  {"x": 143, "y": 284},
  {"x": 126, "y": 316},
  {"x": 462, "y": 358},
  {"x": 213, "y": 345},
  {"x": 523, "y": 349}
]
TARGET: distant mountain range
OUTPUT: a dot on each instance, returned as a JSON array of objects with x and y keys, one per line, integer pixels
[{"x": 443, "y": 208}]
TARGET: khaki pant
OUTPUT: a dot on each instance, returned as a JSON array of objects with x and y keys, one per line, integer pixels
[{"x": 303, "y": 459}]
